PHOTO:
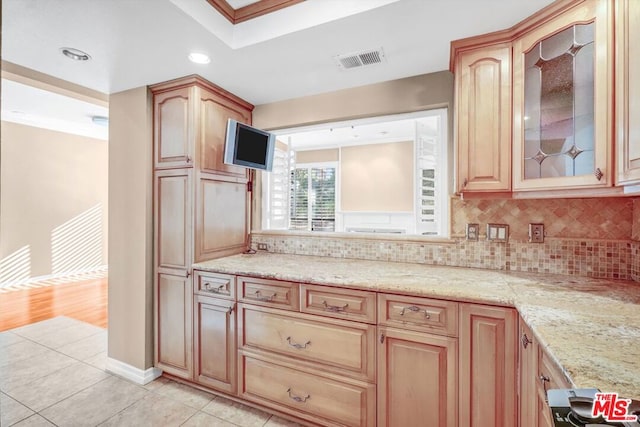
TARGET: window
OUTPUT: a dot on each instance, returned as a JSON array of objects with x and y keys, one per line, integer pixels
[
  {"x": 377, "y": 175},
  {"x": 312, "y": 204}
]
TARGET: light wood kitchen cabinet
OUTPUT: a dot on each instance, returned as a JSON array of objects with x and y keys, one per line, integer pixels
[
  {"x": 173, "y": 221},
  {"x": 173, "y": 128},
  {"x": 190, "y": 122},
  {"x": 548, "y": 376},
  {"x": 483, "y": 119},
  {"x": 417, "y": 379},
  {"x": 201, "y": 211},
  {"x": 222, "y": 216},
  {"x": 215, "y": 109},
  {"x": 215, "y": 343},
  {"x": 488, "y": 366},
  {"x": 563, "y": 100},
  {"x": 628, "y": 91},
  {"x": 173, "y": 332},
  {"x": 528, "y": 363}
]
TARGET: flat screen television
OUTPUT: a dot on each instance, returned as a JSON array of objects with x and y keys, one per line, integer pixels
[{"x": 249, "y": 147}]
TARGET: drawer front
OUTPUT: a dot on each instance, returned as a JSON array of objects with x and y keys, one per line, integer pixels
[
  {"x": 339, "y": 303},
  {"x": 344, "y": 347},
  {"x": 314, "y": 398},
  {"x": 215, "y": 284},
  {"x": 269, "y": 293},
  {"x": 420, "y": 314}
]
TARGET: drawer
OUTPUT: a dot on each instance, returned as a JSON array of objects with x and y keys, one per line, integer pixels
[
  {"x": 340, "y": 303},
  {"x": 347, "y": 348},
  {"x": 321, "y": 400},
  {"x": 215, "y": 284},
  {"x": 419, "y": 314},
  {"x": 270, "y": 293}
]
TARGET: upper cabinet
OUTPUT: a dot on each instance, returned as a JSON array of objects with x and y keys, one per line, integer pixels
[
  {"x": 535, "y": 103},
  {"x": 562, "y": 101},
  {"x": 483, "y": 112},
  {"x": 190, "y": 119},
  {"x": 628, "y": 90}
]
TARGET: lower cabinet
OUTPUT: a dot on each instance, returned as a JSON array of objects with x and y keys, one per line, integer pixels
[
  {"x": 417, "y": 379},
  {"x": 488, "y": 366},
  {"x": 215, "y": 343},
  {"x": 538, "y": 373},
  {"x": 336, "y": 357},
  {"x": 173, "y": 333}
]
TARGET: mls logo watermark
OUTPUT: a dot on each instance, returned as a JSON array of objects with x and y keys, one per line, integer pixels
[{"x": 612, "y": 408}]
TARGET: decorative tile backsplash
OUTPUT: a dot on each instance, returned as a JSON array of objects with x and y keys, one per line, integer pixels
[
  {"x": 584, "y": 237},
  {"x": 593, "y": 258},
  {"x": 635, "y": 228},
  {"x": 603, "y": 218}
]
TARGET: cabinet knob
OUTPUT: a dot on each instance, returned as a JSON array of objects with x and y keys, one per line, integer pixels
[
  {"x": 188, "y": 159},
  {"x": 525, "y": 340},
  {"x": 598, "y": 173}
]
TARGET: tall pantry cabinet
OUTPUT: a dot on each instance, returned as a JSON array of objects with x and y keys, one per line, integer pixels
[{"x": 201, "y": 206}]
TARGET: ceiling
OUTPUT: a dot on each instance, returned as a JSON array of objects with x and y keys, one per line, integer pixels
[{"x": 285, "y": 54}]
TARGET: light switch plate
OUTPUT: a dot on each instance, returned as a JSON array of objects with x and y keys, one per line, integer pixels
[
  {"x": 498, "y": 232},
  {"x": 536, "y": 233}
]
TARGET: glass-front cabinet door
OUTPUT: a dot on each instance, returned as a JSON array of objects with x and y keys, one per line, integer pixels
[{"x": 562, "y": 130}]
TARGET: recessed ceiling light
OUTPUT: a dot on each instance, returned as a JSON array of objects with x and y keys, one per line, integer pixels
[
  {"x": 199, "y": 58},
  {"x": 75, "y": 54}
]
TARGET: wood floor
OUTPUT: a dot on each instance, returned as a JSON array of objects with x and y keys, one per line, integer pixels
[{"x": 85, "y": 301}]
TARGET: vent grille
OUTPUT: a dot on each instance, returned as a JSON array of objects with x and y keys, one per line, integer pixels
[{"x": 359, "y": 59}]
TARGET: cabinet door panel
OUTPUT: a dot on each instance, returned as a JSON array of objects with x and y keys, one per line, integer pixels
[
  {"x": 173, "y": 134},
  {"x": 213, "y": 128},
  {"x": 215, "y": 343},
  {"x": 628, "y": 90},
  {"x": 174, "y": 339},
  {"x": 222, "y": 219},
  {"x": 488, "y": 356},
  {"x": 173, "y": 220},
  {"x": 417, "y": 379},
  {"x": 563, "y": 101},
  {"x": 483, "y": 113},
  {"x": 528, "y": 356}
]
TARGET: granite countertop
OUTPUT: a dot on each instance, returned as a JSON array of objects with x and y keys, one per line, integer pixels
[{"x": 590, "y": 326}]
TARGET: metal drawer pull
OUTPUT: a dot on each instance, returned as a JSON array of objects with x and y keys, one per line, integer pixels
[
  {"x": 209, "y": 288},
  {"x": 298, "y": 346},
  {"x": 334, "y": 308},
  {"x": 525, "y": 340},
  {"x": 231, "y": 309},
  {"x": 415, "y": 309},
  {"x": 260, "y": 297},
  {"x": 544, "y": 379},
  {"x": 298, "y": 398}
]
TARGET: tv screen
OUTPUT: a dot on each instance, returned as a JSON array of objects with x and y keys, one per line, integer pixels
[{"x": 249, "y": 147}]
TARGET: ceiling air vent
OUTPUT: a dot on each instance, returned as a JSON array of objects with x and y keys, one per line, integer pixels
[{"x": 348, "y": 61}]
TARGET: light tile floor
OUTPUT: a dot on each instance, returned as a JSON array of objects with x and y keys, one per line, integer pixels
[{"x": 52, "y": 374}]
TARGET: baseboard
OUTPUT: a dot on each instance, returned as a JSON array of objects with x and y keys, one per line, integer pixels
[{"x": 132, "y": 373}]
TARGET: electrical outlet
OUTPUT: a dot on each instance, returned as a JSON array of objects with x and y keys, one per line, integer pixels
[
  {"x": 263, "y": 247},
  {"x": 536, "y": 233}
]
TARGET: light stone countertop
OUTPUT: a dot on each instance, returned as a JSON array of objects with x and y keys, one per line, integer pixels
[{"x": 590, "y": 326}]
